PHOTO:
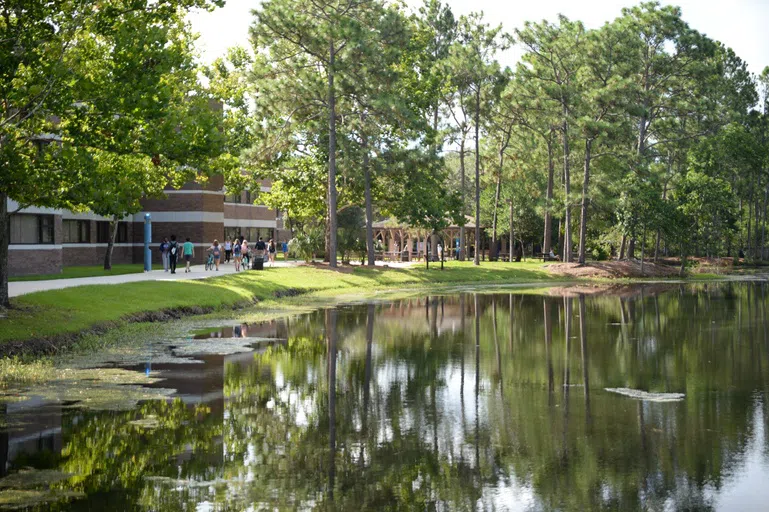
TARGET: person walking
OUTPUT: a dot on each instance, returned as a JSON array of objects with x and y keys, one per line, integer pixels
[
  {"x": 272, "y": 250},
  {"x": 245, "y": 254},
  {"x": 189, "y": 253},
  {"x": 285, "y": 250},
  {"x": 164, "y": 248},
  {"x": 227, "y": 251},
  {"x": 236, "y": 254},
  {"x": 173, "y": 254},
  {"x": 216, "y": 251},
  {"x": 260, "y": 248}
]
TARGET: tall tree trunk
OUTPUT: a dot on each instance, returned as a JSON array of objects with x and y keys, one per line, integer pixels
[
  {"x": 332, "y": 224},
  {"x": 622, "y": 245},
  {"x": 434, "y": 246},
  {"x": 643, "y": 126},
  {"x": 658, "y": 236},
  {"x": 5, "y": 301},
  {"x": 583, "y": 214},
  {"x": 512, "y": 234},
  {"x": 113, "y": 225},
  {"x": 477, "y": 254},
  {"x": 494, "y": 253},
  {"x": 748, "y": 251},
  {"x": 757, "y": 253},
  {"x": 547, "y": 242},
  {"x": 567, "y": 187},
  {"x": 643, "y": 247},
  {"x": 369, "y": 205},
  {"x": 682, "y": 271},
  {"x": 763, "y": 223},
  {"x": 462, "y": 232}
]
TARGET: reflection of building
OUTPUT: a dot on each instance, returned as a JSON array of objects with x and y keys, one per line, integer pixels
[
  {"x": 44, "y": 240},
  {"x": 34, "y": 430}
]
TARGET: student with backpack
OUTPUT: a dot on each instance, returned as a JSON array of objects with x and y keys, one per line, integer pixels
[
  {"x": 216, "y": 252},
  {"x": 173, "y": 249}
]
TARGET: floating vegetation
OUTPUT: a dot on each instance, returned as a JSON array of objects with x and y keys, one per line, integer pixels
[
  {"x": 646, "y": 396},
  {"x": 15, "y": 372},
  {"x": 188, "y": 483},
  {"x": 33, "y": 478},
  {"x": 150, "y": 422},
  {"x": 98, "y": 389},
  {"x": 15, "y": 499},
  {"x": 219, "y": 346},
  {"x": 32, "y": 487}
]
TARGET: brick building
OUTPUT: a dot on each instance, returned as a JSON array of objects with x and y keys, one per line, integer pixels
[{"x": 44, "y": 240}]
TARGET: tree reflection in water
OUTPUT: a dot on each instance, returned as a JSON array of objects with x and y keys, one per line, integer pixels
[{"x": 364, "y": 408}]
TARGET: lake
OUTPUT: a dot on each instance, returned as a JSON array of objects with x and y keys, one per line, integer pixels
[{"x": 645, "y": 397}]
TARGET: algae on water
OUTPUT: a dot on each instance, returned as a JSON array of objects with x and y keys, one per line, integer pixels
[
  {"x": 98, "y": 389},
  {"x": 32, "y": 487},
  {"x": 16, "y": 499}
]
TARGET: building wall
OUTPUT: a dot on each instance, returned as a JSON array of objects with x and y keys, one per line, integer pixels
[
  {"x": 195, "y": 211},
  {"x": 28, "y": 260}
]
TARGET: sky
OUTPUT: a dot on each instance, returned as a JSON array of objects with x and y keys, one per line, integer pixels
[{"x": 742, "y": 25}]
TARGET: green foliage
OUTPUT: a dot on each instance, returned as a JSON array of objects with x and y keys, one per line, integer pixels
[
  {"x": 307, "y": 242},
  {"x": 352, "y": 241}
]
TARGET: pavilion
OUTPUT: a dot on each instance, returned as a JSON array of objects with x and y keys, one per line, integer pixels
[{"x": 394, "y": 237}]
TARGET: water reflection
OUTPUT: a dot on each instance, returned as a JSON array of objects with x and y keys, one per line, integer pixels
[{"x": 366, "y": 407}]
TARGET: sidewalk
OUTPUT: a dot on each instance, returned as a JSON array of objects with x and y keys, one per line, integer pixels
[{"x": 17, "y": 288}]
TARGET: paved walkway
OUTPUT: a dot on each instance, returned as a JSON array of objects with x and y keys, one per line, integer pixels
[{"x": 17, "y": 288}]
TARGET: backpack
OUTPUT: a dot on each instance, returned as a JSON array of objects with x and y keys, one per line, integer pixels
[{"x": 173, "y": 248}]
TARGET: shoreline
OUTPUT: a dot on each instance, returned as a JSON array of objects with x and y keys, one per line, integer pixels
[{"x": 53, "y": 322}]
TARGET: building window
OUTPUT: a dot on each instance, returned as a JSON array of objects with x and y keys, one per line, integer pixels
[
  {"x": 31, "y": 229},
  {"x": 103, "y": 233},
  {"x": 232, "y": 198},
  {"x": 76, "y": 231},
  {"x": 231, "y": 233},
  {"x": 245, "y": 197}
]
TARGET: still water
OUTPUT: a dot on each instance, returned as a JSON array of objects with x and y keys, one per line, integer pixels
[{"x": 645, "y": 398}]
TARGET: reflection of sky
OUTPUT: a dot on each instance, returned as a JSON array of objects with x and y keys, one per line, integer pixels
[{"x": 745, "y": 490}]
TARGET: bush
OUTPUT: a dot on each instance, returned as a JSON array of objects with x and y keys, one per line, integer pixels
[
  {"x": 350, "y": 238},
  {"x": 307, "y": 243},
  {"x": 599, "y": 253}
]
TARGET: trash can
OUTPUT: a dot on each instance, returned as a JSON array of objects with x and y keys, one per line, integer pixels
[
  {"x": 258, "y": 261},
  {"x": 405, "y": 256}
]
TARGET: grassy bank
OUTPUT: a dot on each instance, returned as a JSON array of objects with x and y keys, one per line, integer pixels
[
  {"x": 88, "y": 271},
  {"x": 47, "y": 315}
]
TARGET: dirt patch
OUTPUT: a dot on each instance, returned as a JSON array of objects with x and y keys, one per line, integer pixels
[
  {"x": 612, "y": 269},
  {"x": 289, "y": 292}
]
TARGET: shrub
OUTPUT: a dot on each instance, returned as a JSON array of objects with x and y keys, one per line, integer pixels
[{"x": 307, "y": 243}]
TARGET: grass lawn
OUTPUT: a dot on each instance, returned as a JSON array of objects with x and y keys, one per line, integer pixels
[
  {"x": 89, "y": 271},
  {"x": 73, "y": 310}
]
